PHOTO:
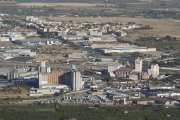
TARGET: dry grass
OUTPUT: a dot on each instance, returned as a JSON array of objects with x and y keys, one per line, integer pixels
[
  {"x": 82, "y": 8},
  {"x": 8, "y": 4},
  {"x": 6, "y": 44},
  {"x": 58, "y": 4},
  {"x": 11, "y": 94},
  {"x": 54, "y": 56}
]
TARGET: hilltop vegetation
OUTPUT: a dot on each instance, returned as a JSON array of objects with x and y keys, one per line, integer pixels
[{"x": 87, "y": 112}]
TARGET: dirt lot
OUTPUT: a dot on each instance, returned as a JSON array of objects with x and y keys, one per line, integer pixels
[
  {"x": 55, "y": 52},
  {"x": 6, "y": 44}
]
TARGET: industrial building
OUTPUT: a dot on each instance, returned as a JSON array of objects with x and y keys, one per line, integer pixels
[
  {"x": 160, "y": 92},
  {"x": 38, "y": 42},
  {"x": 112, "y": 68},
  {"x": 101, "y": 38},
  {"x": 138, "y": 65},
  {"x": 118, "y": 48},
  {"x": 77, "y": 55},
  {"x": 142, "y": 101},
  {"x": 165, "y": 101},
  {"x": 91, "y": 38},
  {"x": 154, "y": 71},
  {"x": 21, "y": 72},
  {"x": 52, "y": 78},
  {"x": 134, "y": 74},
  {"x": 104, "y": 44},
  {"x": 46, "y": 77},
  {"x": 43, "y": 68},
  {"x": 4, "y": 70},
  {"x": 11, "y": 37},
  {"x": 49, "y": 89},
  {"x": 76, "y": 79},
  {"x": 18, "y": 52},
  {"x": 104, "y": 60},
  {"x": 32, "y": 80},
  {"x": 127, "y": 49}
]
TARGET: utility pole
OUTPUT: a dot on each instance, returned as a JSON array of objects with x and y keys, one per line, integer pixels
[
  {"x": 59, "y": 93},
  {"x": 26, "y": 95}
]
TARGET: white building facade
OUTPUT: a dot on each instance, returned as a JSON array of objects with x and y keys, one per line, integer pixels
[
  {"x": 138, "y": 65},
  {"x": 154, "y": 71}
]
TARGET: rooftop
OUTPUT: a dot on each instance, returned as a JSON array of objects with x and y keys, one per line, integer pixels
[
  {"x": 125, "y": 69},
  {"x": 38, "y": 40},
  {"x": 161, "y": 99},
  {"x": 142, "y": 99}
]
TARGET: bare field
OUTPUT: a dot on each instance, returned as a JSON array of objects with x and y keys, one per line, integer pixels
[
  {"x": 58, "y": 4},
  {"x": 82, "y": 8},
  {"x": 161, "y": 27},
  {"x": 8, "y": 4}
]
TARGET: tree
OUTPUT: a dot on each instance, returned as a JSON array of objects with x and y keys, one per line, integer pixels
[
  {"x": 4, "y": 89},
  {"x": 109, "y": 78},
  {"x": 171, "y": 47},
  {"x": 108, "y": 54}
]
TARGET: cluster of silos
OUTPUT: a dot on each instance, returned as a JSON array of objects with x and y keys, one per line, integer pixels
[
  {"x": 12, "y": 74},
  {"x": 76, "y": 79},
  {"x": 15, "y": 73},
  {"x": 43, "y": 68},
  {"x": 23, "y": 69}
]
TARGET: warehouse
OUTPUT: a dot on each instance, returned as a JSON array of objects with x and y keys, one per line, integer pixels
[
  {"x": 77, "y": 55},
  {"x": 104, "y": 60},
  {"x": 38, "y": 42},
  {"x": 165, "y": 101},
  {"x": 127, "y": 49},
  {"x": 102, "y": 38},
  {"x": 18, "y": 52},
  {"x": 119, "y": 48}
]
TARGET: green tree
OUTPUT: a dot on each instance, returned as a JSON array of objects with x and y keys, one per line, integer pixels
[{"x": 109, "y": 78}]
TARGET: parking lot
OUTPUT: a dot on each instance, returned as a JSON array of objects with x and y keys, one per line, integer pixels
[{"x": 70, "y": 99}]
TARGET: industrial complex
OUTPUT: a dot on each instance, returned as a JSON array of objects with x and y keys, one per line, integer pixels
[{"x": 38, "y": 42}]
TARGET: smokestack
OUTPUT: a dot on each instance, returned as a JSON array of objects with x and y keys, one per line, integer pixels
[{"x": 124, "y": 101}]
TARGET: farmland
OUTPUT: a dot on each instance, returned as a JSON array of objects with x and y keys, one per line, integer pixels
[{"x": 86, "y": 112}]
